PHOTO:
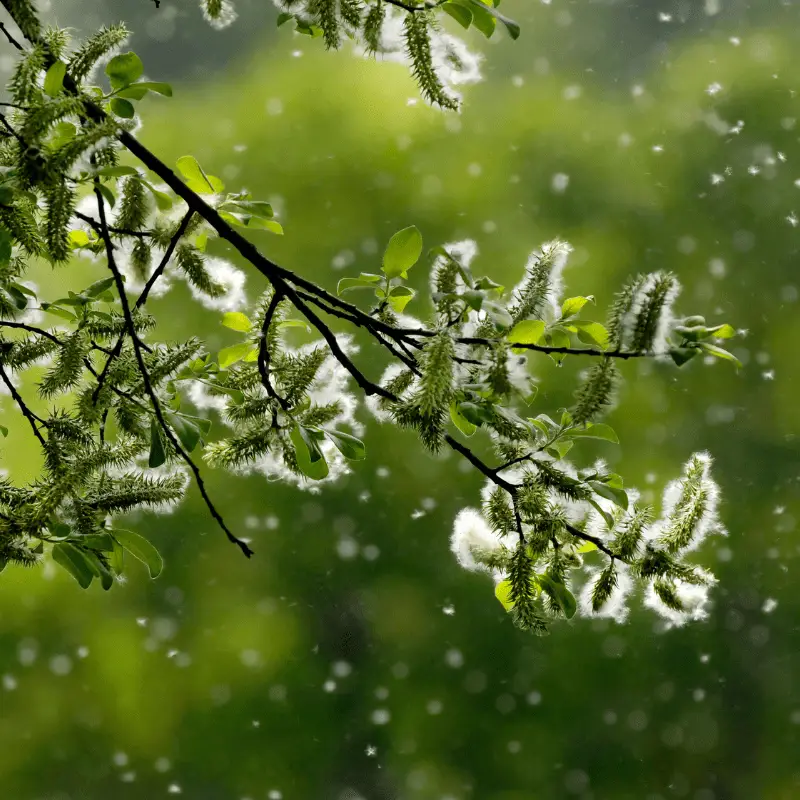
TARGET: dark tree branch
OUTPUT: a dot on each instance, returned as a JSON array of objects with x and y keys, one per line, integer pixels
[
  {"x": 263, "y": 351},
  {"x": 27, "y": 413}
]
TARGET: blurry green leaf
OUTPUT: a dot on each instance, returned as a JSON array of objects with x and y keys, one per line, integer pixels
[
  {"x": 99, "y": 569},
  {"x": 137, "y": 90},
  {"x": 163, "y": 201},
  {"x": 612, "y": 493},
  {"x": 107, "y": 194},
  {"x": 482, "y": 18},
  {"x": 724, "y": 331},
  {"x": 461, "y": 14},
  {"x": 562, "y": 596},
  {"x": 558, "y": 338},
  {"x": 141, "y": 548},
  {"x": 186, "y": 430},
  {"x": 680, "y": 355},
  {"x": 117, "y": 558},
  {"x": 718, "y": 352},
  {"x": 284, "y": 17},
  {"x": 54, "y": 78},
  {"x": 58, "y": 312},
  {"x": 305, "y": 446},
  {"x": 122, "y": 108},
  {"x": 402, "y": 252},
  {"x": 498, "y": 314},
  {"x": 236, "y": 321},
  {"x": 78, "y": 238},
  {"x": 503, "y": 593},
  {"x": 230, "y": 355},
  {"x": 596, "y": 430},
  {"x": 3, "y": 431},
  {"x": 559, "y": 448},
  {"x": 97, "y": 541},
  {"x": 124, "y": 69},
  {"x": 349, "y": 446},
  {"x": 157, "y": 454},
  {"x": 460, "y": 421},
  {"x": 586, "y": 547},
  {"x": 98, "y": 287},
  {"x": 5, "y": 246},
  {"x": 573, "y": 305},
  {"x": 364, "y": 281},
  {"x": 75, "y": 562}
]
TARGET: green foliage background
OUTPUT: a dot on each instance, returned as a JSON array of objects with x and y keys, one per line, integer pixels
[{"x": 221, "y": 665}]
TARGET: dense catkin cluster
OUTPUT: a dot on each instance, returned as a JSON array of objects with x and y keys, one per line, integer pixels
[{"x": 130, "y": 418}]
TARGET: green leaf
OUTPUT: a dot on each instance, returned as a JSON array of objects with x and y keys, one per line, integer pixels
[
  {"x": 559, "y": 448},
  {"x": 596, "y": 430},
  {"x": 474, "y": 413},
  {"x": 97, "y": 541},
  {"x": 681, "y": 355},
  {"x": 236, "y": 321},
  {"x": 75, "y": 562},
  {"x": 163, "y": 201},
  {"x": 612, "y": 493},
  {"x": 196, "y": 178},
  {"x": 141, "y": 548},
  {"x": 591, "y": 333},
  {"x": 54, "y": 78},
  {"x": 58, "y": 312},
  {"x": 529, "y": 331},
  {"x": 586, "y": 547},
  {"x": 117, "y": 558},
  {"x": 558, "y": 338},
  {"x": 399, "y": 298},
  {"x": 349, "y": 446},
  {"x": 482, "y": 18},
  {"x": 284, "y": 17},
  {"x": 718, "y": 352},
  {"x": 99, "y": 569},
  {"x": 402, "y": 252},
  {"x": 573, "y": 305},
  {"x": 723, "y": 331},
  {"x": 3, "y": 431},
  {"x": 511, "y": 26},
  {"x": 315, "y": 468},
  {"x": 5, "y": 246},
  {"x": 364, "y": 281},
  {"x": 460, "y": 421},
  {"x": 78, "y": 238},
  {"x": 6, "y": 195},
  {"x": 157, "y": 454},
  {"x": 138, "y": 90},
  {"x": 256, "y": 208},
  {"x": 498, "y": 314},
  {"x": 230, "y": 355},
  {"x": 107, "y": 194},
  {"x": 124, "y": 69},
  {"x": 186, "y": 430},
  {"x": 461, "y": 14},
  {"x": 562, "y": 596},
  {"x": 98, "y": 287},
  {"x": 503, "y": 593}
]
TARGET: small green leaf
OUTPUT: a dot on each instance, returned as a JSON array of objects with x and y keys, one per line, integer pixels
[
  {"x": 117, "y": 558},
  {"x": 157, "y": 454},
  {"x": 573, "y": 305},
  {"x": 511, "y": 26},
  {"x": 107, "y": 194},
  {"x": 724, "y": 331},
  {"x": 482, "y": 18},
  {"x": 612, "y": 493},
  {"x": 586, "y": 547},
  {"x": 136, "y": 91},
  {"x": 461, "y": 14},
  {"x": 399, "y": 298},
  {"x": 58, "y": 312},
  {"x": 596, "y": 430},
  {"x": 529, "y": 331},
  {"x": 402, "y": 252},
  {"x": 141, "y": 548},
  {"x": 98, "y": 287},
  {"x": 124, "y": 69},
  {"x": 349, "y": 446},
  {"x": 498, "y": 314},
  {"x": 718, "y": 352},
  {"x": 99, "y": 568},
  {"x": 503, "y": 593},
  {"x": 236, "y": 321},
  {"x": 562, "y": 596},
  {"x": 364, "y": 281},
  {"x": 163, "y": 201},
  {"x": 284, "y": 17},
  {"x": 460, "y": 421},
  {"x": 97, "y": 541},
  {"x": 315, "y": 468},
  {"x": 230, "y": 355},
  {"x": 187, "y": 431},
  {"x": 681, "y": 355},
  {"x": 54, "y": 78},
  {"x": 75, "y": 562},
  {"x": 78, "y": 238},
  {"x": 558, "y": 338},
  {"x": 196, "y": 178},
  {"x": 3, "y": 431}
]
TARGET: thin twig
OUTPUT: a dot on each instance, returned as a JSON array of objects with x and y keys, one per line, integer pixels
[
  {"x": 28, "y": 414},
  {"x": 126, "y": 310}
]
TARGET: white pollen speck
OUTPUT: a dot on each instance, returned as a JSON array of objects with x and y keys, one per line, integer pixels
[
  {"x": 770, "y": 604},
  {"x": 559, "y": 182}
]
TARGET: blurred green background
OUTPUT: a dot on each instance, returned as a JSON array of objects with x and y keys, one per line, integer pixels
[{"x": 352, "y": 658}]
